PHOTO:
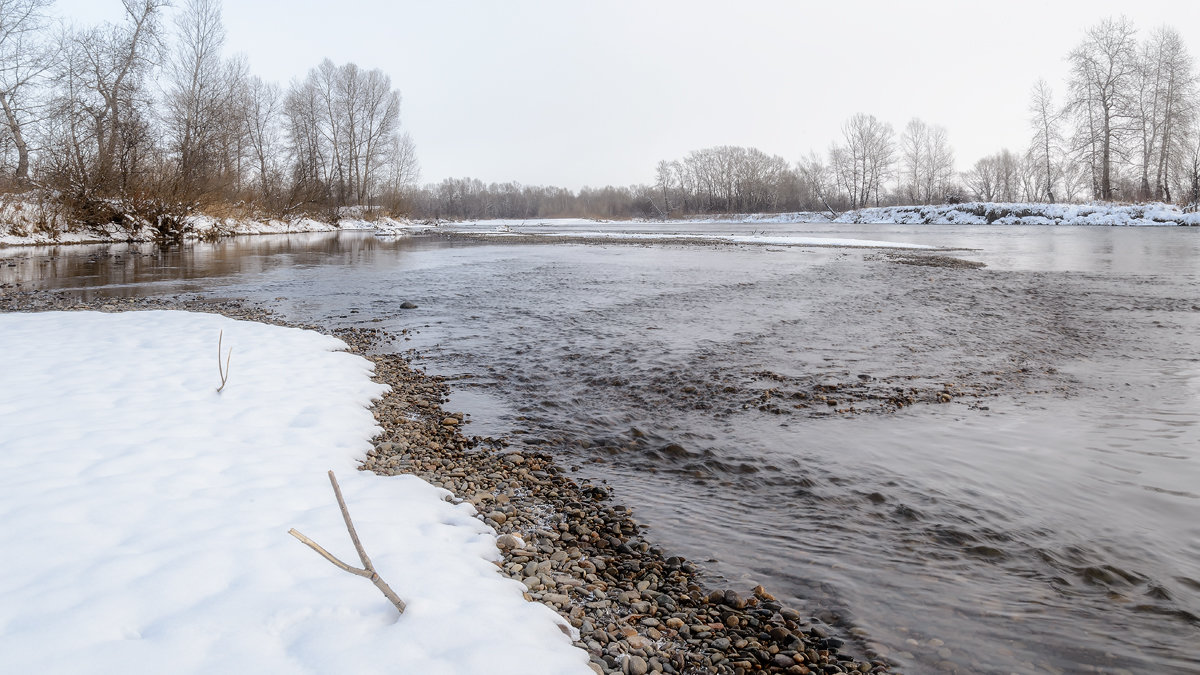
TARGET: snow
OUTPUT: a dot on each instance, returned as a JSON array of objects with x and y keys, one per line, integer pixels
[
  {"x": 496, "y": 223},
  {"x": 987, "y": 213},
  {"x": 769, "y": 240},
  {"x": 21, "y": 224},
  {"x": 145, "y": 516}
]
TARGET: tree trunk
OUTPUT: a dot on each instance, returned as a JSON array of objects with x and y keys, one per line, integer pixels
[{"x": 14, "y": 127}]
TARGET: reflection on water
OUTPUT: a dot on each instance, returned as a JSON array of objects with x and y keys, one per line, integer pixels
[{"x": 1045, "y": 518}]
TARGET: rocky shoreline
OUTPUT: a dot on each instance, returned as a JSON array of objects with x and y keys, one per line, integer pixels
[{"x": 637, "y": 608}]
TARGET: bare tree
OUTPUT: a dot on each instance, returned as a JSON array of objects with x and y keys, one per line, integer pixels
[
  {"x": 102, "y": 104},
  {"x": 403, "y": 171},
  {"x": 24, "y": 57},
  {"x": 264, "y": 105},
  {"x": 817, "y": 175},
  {"x": 1187, "y": 172},
  {"x": 1163, "y": 103},
  {"x": 1103, "y": 67},
  {"x": 343, "y": 123},
  {"x": 1046, "y": 151},
  {"x": 996, "y": 177},
  {"x": 864, "y": 161},
  {"x": 914, "y": 143},
  {"x": 668, "y": 184},
  {"x": 926, "y": 162},
  {"x": 198, "y": 94}
]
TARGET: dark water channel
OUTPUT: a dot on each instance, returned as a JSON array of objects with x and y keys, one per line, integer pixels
[{"x": 972, "y": 470}]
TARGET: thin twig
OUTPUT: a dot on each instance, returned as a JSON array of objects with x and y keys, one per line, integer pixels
[
  {"x": 326, "y": 554},
  {"x": 362, "y": 554},
  {"x": 367, "y": 570},
  {"x": 224, "y": 372}
]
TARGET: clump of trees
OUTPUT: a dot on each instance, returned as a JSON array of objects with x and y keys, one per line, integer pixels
[
  {"x": 145, "y": 119},
  {"x": 724, "y": 179},
  {"x": 471, "y": 198}
]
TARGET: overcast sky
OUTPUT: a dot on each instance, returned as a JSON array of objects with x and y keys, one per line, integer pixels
[{"x": 595, "y": 93}]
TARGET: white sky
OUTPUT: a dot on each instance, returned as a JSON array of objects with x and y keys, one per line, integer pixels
[{"x": 595, "y": 93}]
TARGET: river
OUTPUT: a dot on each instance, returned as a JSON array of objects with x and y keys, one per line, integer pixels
[{"x": 965, "y": 469}]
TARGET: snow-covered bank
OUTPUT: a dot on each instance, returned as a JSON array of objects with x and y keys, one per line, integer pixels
[
  {"x": 988, "y": 213},
  {"x": 970, "y": 213},
  {"x": 17, "y": 230},
  {"x": 145, "y": 516}
]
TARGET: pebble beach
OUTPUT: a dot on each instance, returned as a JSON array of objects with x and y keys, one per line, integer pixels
[{"x": 636, "y": 607}]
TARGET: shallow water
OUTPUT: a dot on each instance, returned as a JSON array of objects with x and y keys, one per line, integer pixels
[{"x": 1046, "y": 517}]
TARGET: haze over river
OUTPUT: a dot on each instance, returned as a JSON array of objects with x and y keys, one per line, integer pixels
[{"x": 985, "y": 469}]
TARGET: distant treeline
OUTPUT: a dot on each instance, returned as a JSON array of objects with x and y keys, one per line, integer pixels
[
  {"x": 145, "y": 121},
  {"x": 1127, "y": 130}
]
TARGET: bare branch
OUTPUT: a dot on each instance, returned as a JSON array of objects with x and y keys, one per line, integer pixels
[
  {"x": 223, "y": 371},
  {"x": 367, "y": 570}
]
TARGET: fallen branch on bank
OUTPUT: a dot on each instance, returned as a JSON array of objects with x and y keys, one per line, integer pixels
[{"x": 367, "y": 570}]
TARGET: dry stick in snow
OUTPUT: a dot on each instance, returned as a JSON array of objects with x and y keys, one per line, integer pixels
[
  {"x": 223, "y": 371},
  {"x": 367, "y": 570}
]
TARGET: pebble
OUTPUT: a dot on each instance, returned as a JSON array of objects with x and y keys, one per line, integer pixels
[{"x": 636, "y": 665}]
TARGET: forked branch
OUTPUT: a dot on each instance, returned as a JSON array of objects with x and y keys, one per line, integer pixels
[
  {"x": 367, "y": 570},
  {"x": 223, "y": 371}
]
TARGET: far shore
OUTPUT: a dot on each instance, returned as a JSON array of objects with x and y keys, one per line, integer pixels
[{"x": 205, "y": 228}]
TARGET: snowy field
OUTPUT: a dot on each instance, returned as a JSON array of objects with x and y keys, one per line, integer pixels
[{"x": 144, "y": 517}]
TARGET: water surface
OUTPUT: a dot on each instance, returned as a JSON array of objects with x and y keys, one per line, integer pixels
[{"x": 1045, "y": 519}]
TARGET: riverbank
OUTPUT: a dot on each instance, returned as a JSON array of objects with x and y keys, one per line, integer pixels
[
  {"x": 22, "y": 228},
  {"x": 146, "y": 511},
  {"x": 991, "y": 213},
  {"x": 637, "y": 608}
]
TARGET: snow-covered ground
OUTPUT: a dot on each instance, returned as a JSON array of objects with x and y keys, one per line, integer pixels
[
  {"x": 144, "y": 517},
  {"x": 985, "y": 213},
  {"x": 769, "y": 240},
  {"x": 23, "y": 226}
]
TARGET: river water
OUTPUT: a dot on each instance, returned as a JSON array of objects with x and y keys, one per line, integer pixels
[{"x": 961, "y": 469}]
